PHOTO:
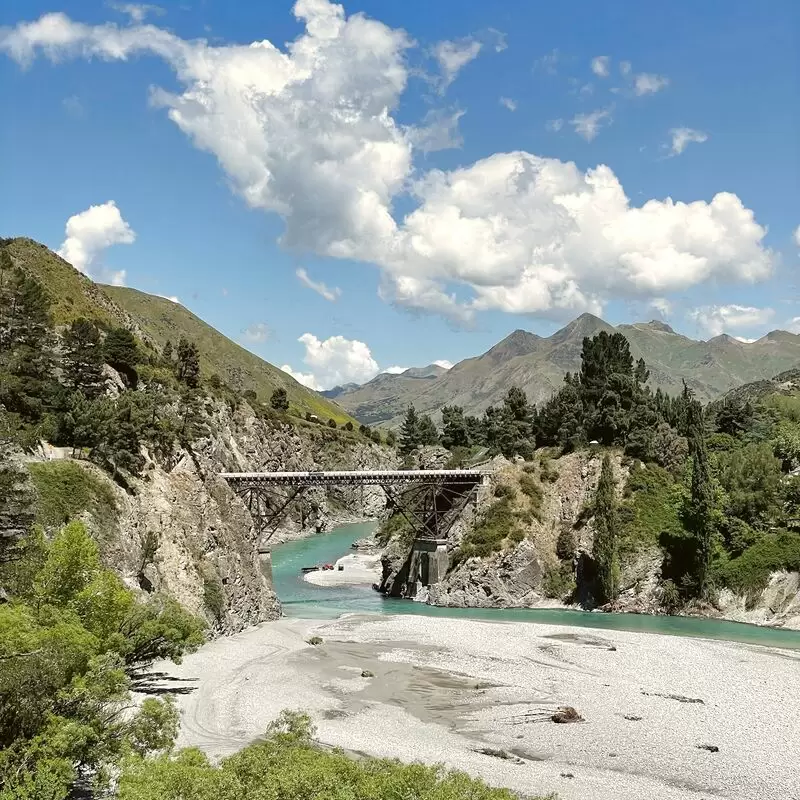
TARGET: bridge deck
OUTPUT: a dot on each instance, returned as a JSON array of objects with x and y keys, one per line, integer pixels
[{"x": 464, "y": 477}]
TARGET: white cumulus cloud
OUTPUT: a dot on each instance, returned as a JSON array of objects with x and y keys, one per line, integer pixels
[
  {"x": 662, "y": 306},
  {"x": 716, "y": 320},
  {"x": 588, "y": 125},
  {"x": 649, "y": 83},
  {"x": 508, "y": 103},
  {"x": 681, "y": 137},
  {"x": 306, "y": 378},
  {"x": 601, "y": 66},
  {"x": 554, "y": 125},
  {"x": 453, "y": 57},
  {"x": 334, "y": 361},
  {"x": 797, "y": 235},
  {"x": 444, "y": 363},
  {"x": 331, "y": 295},
  {"x": 308, "y": 132},
  {"x": 91, "y": 232},
  {"x": 793, "y": 325},
  {"x": 395, "y": 370}
]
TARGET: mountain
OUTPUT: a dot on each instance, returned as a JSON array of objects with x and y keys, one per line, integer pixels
[
  {"x": 156, "y": 320},
  {"x": 538, "y": 364}
]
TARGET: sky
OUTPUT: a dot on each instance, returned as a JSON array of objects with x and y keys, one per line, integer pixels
[{"x": 348, "y": 189}]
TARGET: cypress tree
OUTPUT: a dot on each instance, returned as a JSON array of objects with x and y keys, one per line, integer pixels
[
  {"x": 428, "y": 434},
  {"x": 605, "y": 548}
]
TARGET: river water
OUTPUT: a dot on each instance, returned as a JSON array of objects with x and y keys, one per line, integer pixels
[{"x": 302, "y": 599}]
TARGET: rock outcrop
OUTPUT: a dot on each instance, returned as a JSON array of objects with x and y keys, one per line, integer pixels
[{"x": 180, "y": 530}]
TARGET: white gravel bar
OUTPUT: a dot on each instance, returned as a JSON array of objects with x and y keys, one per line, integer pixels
[
  {"x": 357, "y": 569},
  {"x": 444, "y": 688}
]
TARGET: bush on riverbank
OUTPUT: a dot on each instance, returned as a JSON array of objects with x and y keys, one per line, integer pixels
[{"x": 289, "y": 766}]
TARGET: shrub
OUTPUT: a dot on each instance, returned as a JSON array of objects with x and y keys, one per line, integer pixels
[
  {"x": 565, "y": 545},
  {"x": 749, "y": 573},
  {"x": 288, "y": 765},
  {"x": 213, "y": 594},
  {"x": 670, "y": 596},
  {"x": 490, "y": 532},
  {"x": 558, "y": 582}
]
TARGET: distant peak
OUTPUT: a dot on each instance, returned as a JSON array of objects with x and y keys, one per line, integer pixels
[
  {"x": 658, "y": 325},
  {"x": 517, "y": 343},
  {"x": 584, "y": 325}
]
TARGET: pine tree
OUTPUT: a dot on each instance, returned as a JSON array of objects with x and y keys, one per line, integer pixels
[
  {"x": 121, "y": 353},
  {"x": 166, "y": 354},
  {"x": 605, "y": 547},
  {"x": 26, "y": 349},
  {"x": 428, "y": 434},
  {"x": 188, "y": 369},
  {"x": 83, "y": 359},
  {"x": 454, "y": 428},
  {"x": 410, "y": 434}
]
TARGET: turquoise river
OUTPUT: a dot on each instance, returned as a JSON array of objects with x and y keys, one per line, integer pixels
[{"x": 303, "y": 599}]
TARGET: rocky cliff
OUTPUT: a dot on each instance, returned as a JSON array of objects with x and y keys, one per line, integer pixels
[
  {"x": 527, "y": 542},
  {"x": 179, "y": 529}
]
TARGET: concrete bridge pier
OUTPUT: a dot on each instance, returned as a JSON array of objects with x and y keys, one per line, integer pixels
[
  {"x": 265, "y": 563},
  {"x": 429, "y": 562}
]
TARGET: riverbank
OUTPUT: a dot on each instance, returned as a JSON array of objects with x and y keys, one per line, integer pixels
[{"x": 444, "y": 689}]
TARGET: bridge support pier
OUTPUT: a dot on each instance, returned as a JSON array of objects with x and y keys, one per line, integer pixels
[
  {"x": 429, "y": 561},
  {"x": 265, "y": 563}
]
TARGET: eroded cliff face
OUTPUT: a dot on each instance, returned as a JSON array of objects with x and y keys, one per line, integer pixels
[
  {"x": 514, "y": 577},
  {"x": 521, "y": 573},
  {"x": 182, "y": 531}
]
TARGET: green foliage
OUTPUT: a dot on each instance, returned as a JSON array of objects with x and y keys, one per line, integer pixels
[
  {"x": 454, "y": 428},
  {"x": 649, "y": 510},
  {"x": 72, "y": 643},
  {"x": 749, "y": 573},
  {"x": 66, "y": 489},
  {"x": 83, "y": 358},
  {"x": 187, "y": 368},
  {"x": 288, "y": 766},
  {"x": 605, "y": 549},
  {"x": 397, "y": 526},
  {"x": 122, "y": 353},
  {"x": 489, "y": 534},
  {"x": 670, "y": 596},
  {"x": 558, "y": 582},
  {"x": 751, "y": 477}
]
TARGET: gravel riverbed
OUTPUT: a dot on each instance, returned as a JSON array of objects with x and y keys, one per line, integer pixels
[{"x": 441, "y": 690}]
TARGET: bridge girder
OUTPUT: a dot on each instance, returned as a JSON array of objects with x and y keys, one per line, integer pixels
[{"x": 430, "y": 500}]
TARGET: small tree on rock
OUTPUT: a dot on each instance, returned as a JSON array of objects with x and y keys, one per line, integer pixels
[{"x": 279, "y": 400}]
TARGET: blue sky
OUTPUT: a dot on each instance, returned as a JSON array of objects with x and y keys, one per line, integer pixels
[{"x": 440, "y": 173}]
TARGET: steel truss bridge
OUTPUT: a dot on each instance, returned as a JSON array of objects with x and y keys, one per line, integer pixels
[{"x": 430, "y": 500}]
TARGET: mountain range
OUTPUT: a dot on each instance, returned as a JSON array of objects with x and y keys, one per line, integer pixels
[
  {"x": 155, "y": 320},
  {"x": 538, "y": 364}
]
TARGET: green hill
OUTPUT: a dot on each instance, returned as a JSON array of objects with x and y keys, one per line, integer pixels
[{"x": 155, "y": 320}]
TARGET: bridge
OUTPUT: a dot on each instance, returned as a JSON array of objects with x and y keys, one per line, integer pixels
[{"x": 430, "y": 501}]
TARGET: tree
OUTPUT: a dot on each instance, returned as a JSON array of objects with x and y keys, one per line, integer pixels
[
  {"x": 454, "y": 428},
  {"x": 605, "y": 549},
  {"x": 166, "y": 354},
  {"x": 26, "y": 347},
  {"x": 332, "y": 423},
  {"x": 279, "y": 400},
  {"x": 188, "y": 367},
  {"x": 391, "y": 439},
  {"x": 700, "y": 514},
  {"x": 121, "y": 352},
  {"x": 83, "y": 358},
  {"x": 515, "y": 433},
  {"x": 428, "y": 434},
  {"x": 348, "y": 426},
  {"x": 410, "y": 433}
]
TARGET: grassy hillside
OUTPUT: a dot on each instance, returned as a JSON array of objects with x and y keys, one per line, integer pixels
[
  {"x": 155, "y": 320},
  {"x": 72, "y": 293},
  {"x": 164, "y": 320}
]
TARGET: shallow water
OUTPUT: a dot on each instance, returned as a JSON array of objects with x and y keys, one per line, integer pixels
[{"x": 303, "y": 599}]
